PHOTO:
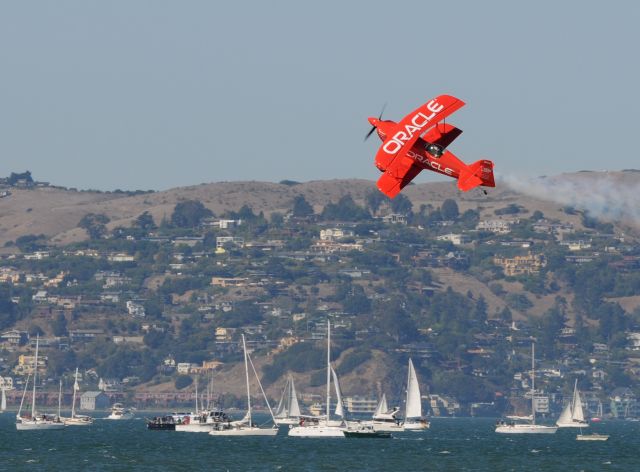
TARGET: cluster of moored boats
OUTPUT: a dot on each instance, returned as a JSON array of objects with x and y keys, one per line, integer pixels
[
  {"x": 572, "y": 416},
  {"x": 331, "y": 424},
  {"x": 32, "y": 420}
]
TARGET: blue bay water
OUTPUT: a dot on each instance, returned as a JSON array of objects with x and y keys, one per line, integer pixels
[{"x": 459, "y": 444}]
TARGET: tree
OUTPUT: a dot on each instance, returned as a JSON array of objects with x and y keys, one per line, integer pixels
[
  {"x": 189, "y": 214},
  {"x": 59, "y": 325},
  {"x": 449, "y": 209},
  {"x": 14, "y": 178},
  {"x": 373, "y": 199},
  {"x": 401, "y": 204},
  {"x": 95, "y": 224},
  {"x": 8, "y": 309},
  {"x": 301, "y": 207},
  {"x": 145, "y": 222},
  {"x": 35, "y": 330},
  {"x": 345, "y": 210}
]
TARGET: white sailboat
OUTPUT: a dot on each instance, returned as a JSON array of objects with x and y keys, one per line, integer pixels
[
  {"x": 36, "y": 421},
  {"x": 573, "y": 414},
  {"x": 413, "y": 420},
  {"x": 246, "y": 427},
  {"x": 531, "y": 427},
  {"x": 3, "y": 402},
  {"x": 288, "y": 410},
  {"x": 77, "y": 420},
  {"x": 323, "y": 428}
]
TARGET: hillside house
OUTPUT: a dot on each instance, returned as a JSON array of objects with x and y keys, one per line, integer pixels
[
  {"x": 226, "y": 241},
  {"x": 135, "y": 309},
  {"x": 455, "y": 239},
  {"x": 9, "y": 275},
  {"x": 395, "y": 219},
  {"x": 335, "y": 234},
  {"x": 521, "y": 265},
  {"x": 498, "y": 226},
  {"x": 14, "y": 338}
]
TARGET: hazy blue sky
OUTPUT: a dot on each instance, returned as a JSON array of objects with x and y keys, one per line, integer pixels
[{"x": 156, "y": 94}]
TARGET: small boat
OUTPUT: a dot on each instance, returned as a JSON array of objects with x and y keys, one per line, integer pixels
[
  {"x": 413, "y": 419},
  {"x": 324, "y": 428},
  {"x": 246, "y": 426},
  {"x": 385, "y": 419},
  {"x": 119, "y": 412},
  {"x": 77, "y": 420},
  {"x": 162, "y": 423},
  {"x": 3, "y": 402},
  {"x": 35, "y": 421},
  {"x": 288, "y": 410},
  {"x": 503, "y": 427},
  {"x": 573, "y": 414},
  {"x": 365, "y": 431},
  {"x": 592, "y": 437}
]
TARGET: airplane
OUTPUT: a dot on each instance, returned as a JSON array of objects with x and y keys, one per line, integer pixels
[{"x": 419, "y": 141}]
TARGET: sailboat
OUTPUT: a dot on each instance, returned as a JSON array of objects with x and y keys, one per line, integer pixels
[
  {"x": 36, "y": 421},
  {"x": 246, "y": 427},
  {"x": 323, "y": 428},
  {"x": 77, "y": 420},
  {"x": 413, "y": 420},
  {"x": 531, "y": 427},
  {"x": 573, "y": 414},
  {"x": 3, "y": 402},
  {"x": 288, "y": 410}
]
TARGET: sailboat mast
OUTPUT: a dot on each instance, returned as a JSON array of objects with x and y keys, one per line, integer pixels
[
  {"x": 35, "y": 376},
  {"x": 196, "y": 394},
  {"x": 59, "y": 398},
  {"x": 24, "y": 393},
  {"x": 533, "y": 384},
  {"x": 328, "y": 368},
  {"x": 246, "y": 372}
]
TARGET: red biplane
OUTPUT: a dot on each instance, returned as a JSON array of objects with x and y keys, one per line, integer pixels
[{"x": 419, "y": 142}]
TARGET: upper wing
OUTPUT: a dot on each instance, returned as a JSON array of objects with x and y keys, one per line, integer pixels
[{"x": 413, "y": 125}]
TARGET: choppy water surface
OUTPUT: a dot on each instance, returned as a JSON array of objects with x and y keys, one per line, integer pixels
[{"x": 450, "y": 445}]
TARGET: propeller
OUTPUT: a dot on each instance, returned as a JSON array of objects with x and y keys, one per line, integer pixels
[{"x": 373, "y": 128}]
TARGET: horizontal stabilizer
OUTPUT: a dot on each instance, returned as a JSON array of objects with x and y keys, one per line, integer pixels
[{"x": 476, "y": 174}]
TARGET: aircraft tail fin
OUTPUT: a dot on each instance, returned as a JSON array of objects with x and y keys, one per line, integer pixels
[{"x": 476, "y": 174}]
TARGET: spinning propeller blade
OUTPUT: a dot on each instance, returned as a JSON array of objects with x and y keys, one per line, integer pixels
[{"x": 373, "y": 128}]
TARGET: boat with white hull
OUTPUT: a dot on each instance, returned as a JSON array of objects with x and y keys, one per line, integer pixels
[
  {"x": 288, "y": 410},
  {"x": 572, "y": 415},
  {"x": 36, "y": 421},
  {"x": 246, "y": 427},
  {"x": 385, "y": 419},
  {"x": 323, "y": 428},
  {"x": 413, "y": 419},
  {"x": 504, "y": 427},
  {"x": 77, "y": 420},
  {"x": 119, "y": 412}
]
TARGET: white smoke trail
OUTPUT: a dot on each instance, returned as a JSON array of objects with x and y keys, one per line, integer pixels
[{"x": 609, "y": 197}]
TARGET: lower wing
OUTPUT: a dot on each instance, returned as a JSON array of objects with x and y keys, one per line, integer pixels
[{"x": 397, "y": 176}]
